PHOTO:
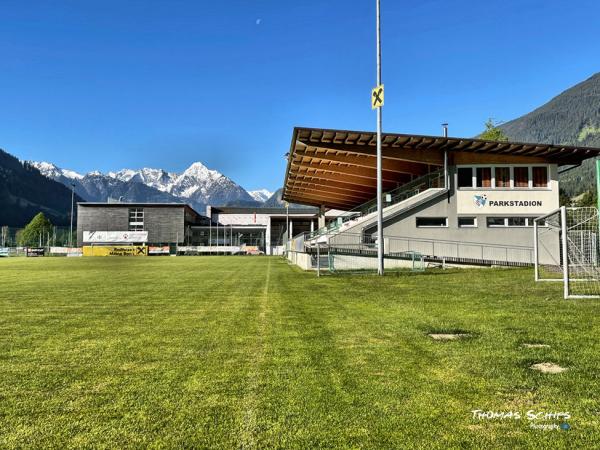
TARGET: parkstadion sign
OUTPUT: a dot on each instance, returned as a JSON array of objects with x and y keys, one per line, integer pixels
[{"x": 506, "y": 202}]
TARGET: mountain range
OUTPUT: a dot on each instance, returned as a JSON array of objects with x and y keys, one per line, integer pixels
[{"x": 197, "y": 185}]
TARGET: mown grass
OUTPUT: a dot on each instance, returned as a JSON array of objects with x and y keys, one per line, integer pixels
[{"x": 250, "y": 352}]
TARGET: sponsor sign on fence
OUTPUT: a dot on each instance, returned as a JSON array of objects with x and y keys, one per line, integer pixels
[
  {"x": 115, "y": 237},
  {"x": 164, "y": 250},
  {"x": 124, "y": 250},
  {"x": 66, "y": 251},
  {"x": 35, "y": 251}
]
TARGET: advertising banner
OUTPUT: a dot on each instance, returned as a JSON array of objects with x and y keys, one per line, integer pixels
[
  {"x": 163, "y": 250},
  {"x": 35, "y": 251},
  {"x": 75, "y": 251},
  {"x": 66, "y": 251},
  {"x": 115, "y": 237},
  {"x": 125, "y": 250}
]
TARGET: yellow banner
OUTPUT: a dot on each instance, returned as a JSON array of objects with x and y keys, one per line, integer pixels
[{"x": 123, "y": 250}]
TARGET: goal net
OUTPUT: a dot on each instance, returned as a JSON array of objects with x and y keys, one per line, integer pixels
[{"x": 567, "y": 250}]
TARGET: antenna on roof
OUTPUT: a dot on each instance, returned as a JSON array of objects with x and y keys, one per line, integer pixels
[{"x": 445, "y": 129}]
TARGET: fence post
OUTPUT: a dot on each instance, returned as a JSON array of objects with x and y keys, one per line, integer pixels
[
  {"x": 563, "y": 226},
  {"x": 535, "y": 251},
  {"x": 318, "y": 260}
]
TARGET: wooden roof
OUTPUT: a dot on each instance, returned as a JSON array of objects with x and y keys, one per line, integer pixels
[{"x": 337, "y": 168}]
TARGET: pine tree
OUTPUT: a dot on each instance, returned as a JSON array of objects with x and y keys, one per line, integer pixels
[{"x": 493, "y": 133}]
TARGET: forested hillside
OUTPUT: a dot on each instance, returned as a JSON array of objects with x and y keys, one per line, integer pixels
[
  {"x": 24, "y": 192},
  {"x": 571, "y": 118}
]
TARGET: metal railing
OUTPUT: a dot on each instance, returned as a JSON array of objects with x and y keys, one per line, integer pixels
[
  {"x": 432, "y": 249},
  {"x": 428, "y": 181}
]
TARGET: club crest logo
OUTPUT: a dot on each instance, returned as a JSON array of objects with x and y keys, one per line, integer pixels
[{"x": 480, "y": 200}]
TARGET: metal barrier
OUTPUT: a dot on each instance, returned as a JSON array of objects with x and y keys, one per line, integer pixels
[{"x": 433, "y": 250}]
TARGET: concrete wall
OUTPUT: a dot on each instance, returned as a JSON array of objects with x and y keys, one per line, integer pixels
[
  {"x": 302, "y": 260},
  {"x": 164, "y": 224}
]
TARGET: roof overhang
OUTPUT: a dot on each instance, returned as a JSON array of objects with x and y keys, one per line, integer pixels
[{"x": 337, "y": 168}]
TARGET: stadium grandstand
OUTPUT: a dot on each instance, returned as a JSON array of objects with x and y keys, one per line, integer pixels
[{"x": 446, "y": 199}]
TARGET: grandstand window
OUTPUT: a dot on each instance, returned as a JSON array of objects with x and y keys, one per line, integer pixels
[
  {"x": 465, "y": 177},
  {"x": 540, "y": 176},
  {"x": 428, "y": 222},
  {"x": 136, "y": 219},
  {"x": 484, "y": 177},
  {"x": 502, "y": 176},
  {"x": 521, "y": 177}
]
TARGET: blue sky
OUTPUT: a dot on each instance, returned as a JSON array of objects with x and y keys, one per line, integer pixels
[{"x": 103, "y": 85}]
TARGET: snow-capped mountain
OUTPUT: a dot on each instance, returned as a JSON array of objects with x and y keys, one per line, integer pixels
[
  {"x": 97, "y": 187},
  {"x": 156, "y": 178},
  {"x": 51, "y": 171},
  {"x": 261, "y": 195},
  {"x": 197, "y": 185}
]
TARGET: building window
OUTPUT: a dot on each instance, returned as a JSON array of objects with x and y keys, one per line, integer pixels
[
  {"x": 465, "y": 177},
  {"x": 496, "y": 222},
  {"x": 136, "y": 219},
  {"x": 521, "y": 177},
  {"x": 502, "y": 177},
  {"x": 510, "y": 222},
  {"x": 467, "y": 222},
  {"x": 425, "y": 222},
  {"x": 540, "y": 177},
  {"x": 517, "y": 221},
  {"x": 484, "y": 177}
]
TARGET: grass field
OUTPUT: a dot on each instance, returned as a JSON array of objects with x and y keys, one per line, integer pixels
[{"x": 250, "y": 352}]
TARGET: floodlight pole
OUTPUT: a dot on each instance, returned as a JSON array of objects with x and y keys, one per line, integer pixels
[
  {"x": 72, "y": 207},
  {"x": 380, "y": 268}
]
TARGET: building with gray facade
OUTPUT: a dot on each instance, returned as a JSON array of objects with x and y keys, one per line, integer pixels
[
  {"x": 135, "y": 223},
  {"x": 222, "y": 230}
]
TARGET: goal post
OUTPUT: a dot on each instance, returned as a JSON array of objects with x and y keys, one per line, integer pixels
[{"x": 566, "y": 249}]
